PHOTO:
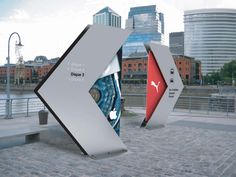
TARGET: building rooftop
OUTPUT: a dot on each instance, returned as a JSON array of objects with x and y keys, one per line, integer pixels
[
  {"x": 209, "y": 10},
  {"x": 173, "y": 34},
  {"x": 182, "y": 56},
  {"x": 107, "y": 10},
  {"x": 142, "y": 10}
]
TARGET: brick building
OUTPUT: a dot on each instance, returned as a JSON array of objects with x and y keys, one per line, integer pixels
[
  {"x": 43, "y": 70},
  {"x": 3, "y": 74},
  {"x": 31, "y": 71},
  {"x": 23, "y": 74},
  {"x": 17, "y": 75},
  {"x": 189, "y": 69},
  {"x": 134, "y": 70}
]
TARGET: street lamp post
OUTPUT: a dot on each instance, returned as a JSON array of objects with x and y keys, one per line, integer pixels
[
  {"x": 233, "y": 81},
  {"x": 8, "y": 103}
]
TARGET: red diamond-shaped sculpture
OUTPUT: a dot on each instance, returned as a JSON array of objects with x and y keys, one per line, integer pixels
[{"x": 156, "y": 86}]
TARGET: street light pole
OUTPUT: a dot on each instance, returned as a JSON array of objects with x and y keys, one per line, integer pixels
[
  {"x": 8, "y": 103},
  {"x": 233, "y": 82}
]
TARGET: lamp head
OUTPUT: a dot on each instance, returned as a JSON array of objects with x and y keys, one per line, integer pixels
[{"x": 19, "y": 44}]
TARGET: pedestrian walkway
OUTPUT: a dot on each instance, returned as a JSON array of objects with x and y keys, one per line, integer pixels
[
  {"x": 186, "y": 146},
  {"x": 15, "y": 131}
]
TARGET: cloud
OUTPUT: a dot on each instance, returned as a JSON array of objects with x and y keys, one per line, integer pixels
[
  {"x": 50, "y": 33},
  {"x": 19, "y": 15},
  {"x": 49, "y": 27}
]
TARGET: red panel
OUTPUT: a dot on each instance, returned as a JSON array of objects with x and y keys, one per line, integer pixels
[{"x": 156, "y": 86}]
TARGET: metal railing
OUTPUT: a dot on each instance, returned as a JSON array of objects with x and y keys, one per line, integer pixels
[
  {"x": 24, "y": 106},
  {"x": 222, "y": 106},
  {"x": 207, "y": 105},
  {"x": 193, "y": 104}
]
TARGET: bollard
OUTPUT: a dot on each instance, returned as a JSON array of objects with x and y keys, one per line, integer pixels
[{"x": 43, "y": 117}]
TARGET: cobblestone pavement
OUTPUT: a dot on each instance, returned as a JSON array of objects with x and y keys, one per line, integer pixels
[{"x": 179, "y": 149}]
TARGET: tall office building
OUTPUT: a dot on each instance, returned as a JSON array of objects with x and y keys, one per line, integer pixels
[
  {"x": 176, "y": 43},
  {"x": 210, "y": 36},
  {"x": 147, "y": 25},
  {"x": 107, "y": 17}
]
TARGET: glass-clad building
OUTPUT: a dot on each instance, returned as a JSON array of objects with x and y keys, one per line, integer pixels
[
  {"x": 176, "y": 43},
  {"x": 107, "y": 17},
  {"x": 210, "y": 36},
  {"x": 147, "y": 25}
]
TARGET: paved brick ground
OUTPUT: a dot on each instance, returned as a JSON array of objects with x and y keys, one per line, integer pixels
[{"x": 179, "y": 149}]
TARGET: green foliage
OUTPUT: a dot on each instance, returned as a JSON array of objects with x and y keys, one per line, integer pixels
[
  {"x": 225, "y": 75},
  {"x": 228, "y": 69}
]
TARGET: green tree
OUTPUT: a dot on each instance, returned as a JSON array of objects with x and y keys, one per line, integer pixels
[{"x": 227, "y": 72}]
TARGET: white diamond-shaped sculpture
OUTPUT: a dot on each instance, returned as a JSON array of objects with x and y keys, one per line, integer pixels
[
  {"x": 164, "y": 85},
  {"x": 65, "y": 90}
]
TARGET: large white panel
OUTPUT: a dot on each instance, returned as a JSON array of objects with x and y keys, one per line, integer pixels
[{"x": 66, "y": 91}]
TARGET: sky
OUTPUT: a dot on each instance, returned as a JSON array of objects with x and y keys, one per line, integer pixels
[{"x": 48, "y": 27}]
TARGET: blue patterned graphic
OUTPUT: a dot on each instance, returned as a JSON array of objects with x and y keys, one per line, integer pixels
[{"x": 108, "y": 99}]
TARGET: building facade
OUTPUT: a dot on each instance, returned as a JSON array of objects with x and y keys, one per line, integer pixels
[
  {"x": 134, "y": 70},
  {"x": 18, "y": 75},
  {"x": 23, "y": 74},
  {"x": 30, "y": 72},
  {"x": 107, "y": 17},
  {"x": 3, "y": 73},
  {"x": 210, "y": 36},
  {"x": 176, "y": 43},
  {"x": 43, "y": 71},
  {"x": 189, "y": 69},
  {"x": 147, "y": 25}
]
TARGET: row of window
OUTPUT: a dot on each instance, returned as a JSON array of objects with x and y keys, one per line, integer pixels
[
  {"x": 139, "y": 64},
  {"x": 186, "y": 69},
  {"x": 133, "y": 70},
  {"x": 210, "y": 26},
  {"x": 107, "y": 19},
  {"x": 186, "y": 62}
]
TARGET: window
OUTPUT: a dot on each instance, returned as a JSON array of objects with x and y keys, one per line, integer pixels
[{"x": 129, "y": 65}]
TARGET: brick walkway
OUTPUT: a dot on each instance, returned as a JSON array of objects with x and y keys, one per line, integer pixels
[{"x": 183, "y": 148}]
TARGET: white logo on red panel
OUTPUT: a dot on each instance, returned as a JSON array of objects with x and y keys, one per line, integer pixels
[{"x": 155, "y": 85}]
